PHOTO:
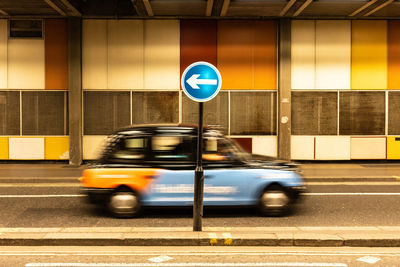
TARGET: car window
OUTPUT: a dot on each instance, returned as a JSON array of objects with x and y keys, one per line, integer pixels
[
  {"x": 172, "y": 147},
  {"x": 131, "y": 148},
  {"x": 221, "y": 149}
]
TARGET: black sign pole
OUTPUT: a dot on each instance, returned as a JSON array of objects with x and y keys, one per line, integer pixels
[{"x": 199, "y": 177}]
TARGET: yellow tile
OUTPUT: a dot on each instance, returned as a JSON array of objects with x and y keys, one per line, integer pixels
[
  {"x": 369, "y": 54},
  {"x": 393, "y": 147},
  {"x": 4, "y": 148},
  {"x": 57, "y": 147}
]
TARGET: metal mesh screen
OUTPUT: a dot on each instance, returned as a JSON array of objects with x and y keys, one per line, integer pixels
[
  {"x": 9, "y": 113},
  {"x": 362, "y": 113},
  {"x": 394, "y": 113},
  {"x": 104, "y": 112},
  {"x": 253, "y": 113},
  {"x": 155, "y": 107},
  {"x": 215, "y": 111},
  {"x": 314, "y": 113},
  {"x": 43, "y": 113}
]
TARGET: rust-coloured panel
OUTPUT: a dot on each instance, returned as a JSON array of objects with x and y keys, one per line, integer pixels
[
  {"x": 265, "y": 54},
  {"x": 245, "y": 143},
  {"x": 56, "y": 54},
  {"x": 247, "y": 54},
  {"x": 198, "y": 42},
  {"x": 393, "y": 54},
  {"x": 235, "y": 53}
]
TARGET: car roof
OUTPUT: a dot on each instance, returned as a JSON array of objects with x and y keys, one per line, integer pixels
[{"x": 151, "y": 129}]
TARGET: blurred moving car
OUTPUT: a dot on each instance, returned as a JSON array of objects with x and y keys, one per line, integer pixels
[{"x": 153, "y": 165}]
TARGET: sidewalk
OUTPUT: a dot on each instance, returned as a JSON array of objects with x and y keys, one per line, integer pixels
[
  {"x": 351, "y": 171},
  {"x": 310, "y": 171},
  {"x": 219, "y": 236}
]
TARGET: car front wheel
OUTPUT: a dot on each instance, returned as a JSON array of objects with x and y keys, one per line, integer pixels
[
  {"x": 274, "y": 201},
  {"x": 124, "y": 203}
]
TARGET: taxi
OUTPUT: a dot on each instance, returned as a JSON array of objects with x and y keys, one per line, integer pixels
[{"x": 153, "y": 165}]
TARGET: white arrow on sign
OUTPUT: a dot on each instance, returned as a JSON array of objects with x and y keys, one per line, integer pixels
[{"x": 193, "y": 81}]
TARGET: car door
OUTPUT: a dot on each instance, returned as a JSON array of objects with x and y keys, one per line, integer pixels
[
  {"x": 172, "y": 155},
  {"x": 226, "y": 178},
  {"x": 228, "y": 186}
]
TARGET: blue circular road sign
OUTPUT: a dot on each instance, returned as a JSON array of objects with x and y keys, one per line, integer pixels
[{"x": 201, "y": 81}]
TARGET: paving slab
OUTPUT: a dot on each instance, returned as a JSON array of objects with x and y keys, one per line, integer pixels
[
  {"x": 317, "y": 240},
  {"x": 97, "y": 230},
  {"x": 371, "y": 240}
]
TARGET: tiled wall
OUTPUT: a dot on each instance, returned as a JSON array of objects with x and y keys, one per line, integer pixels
[
  {"x": 33, "y": 115},
  {"x": 132, "y": 68},
  {"x": 138, "y": 65},
  {"x": 361, "y": 56}
]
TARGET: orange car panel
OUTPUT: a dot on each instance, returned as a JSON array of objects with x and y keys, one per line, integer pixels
[{"x": 136, "y": 179}]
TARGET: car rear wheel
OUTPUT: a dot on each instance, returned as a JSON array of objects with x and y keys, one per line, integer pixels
[
  {"x": 124, "y": 203},
  {"x": 274, "y": 201}
]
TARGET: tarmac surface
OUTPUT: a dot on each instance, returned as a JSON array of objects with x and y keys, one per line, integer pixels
[{"x": 366, "y": 236}]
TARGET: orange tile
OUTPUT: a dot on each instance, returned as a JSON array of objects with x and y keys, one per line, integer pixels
[
  {"x": 56, "y": 54},
  {"x": 393, "y": 54}
]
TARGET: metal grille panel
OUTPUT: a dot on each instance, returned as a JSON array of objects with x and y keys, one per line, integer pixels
[
  {"x": 314, "y": 113},
  {"x": 9, "y": 113},
  {"x": 105, "y": 112}
]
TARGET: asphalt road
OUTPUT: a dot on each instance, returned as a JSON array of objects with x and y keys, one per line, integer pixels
[
  {"x": 197, "y": 256},
  {"x": 56, "y": 203}
]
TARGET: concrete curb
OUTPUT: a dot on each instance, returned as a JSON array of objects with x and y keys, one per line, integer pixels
[{"x": 260, "y": 236}]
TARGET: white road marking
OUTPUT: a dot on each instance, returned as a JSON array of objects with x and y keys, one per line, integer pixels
[
  {"x": 300, "y": 264},
  {"x": 369, "y": 259},
  {"x": 160, "y": 259},
  {"x": 77, "y": 184},
  {"x": 389, "y": 254},
  {"x": 305, "y": 194}
]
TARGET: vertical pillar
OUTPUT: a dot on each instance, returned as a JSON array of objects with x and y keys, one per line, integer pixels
[
  {"x": 284, "y": 90},
  {"x": 75, "y": 90}
]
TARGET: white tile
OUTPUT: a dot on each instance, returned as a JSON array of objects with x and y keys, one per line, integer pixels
[
  {"x": 303, "y": 54},
  {"x": 125, "y": 54},
  {"x": 265, "y": 145},
  {"x": 333, "y": 54},
  {"x": 26, "y": 64},
  {"x": 332, "y": 147},
  {"x": 3, "y": 53},
  {"x": 302, "y": 147},
  {"x": 26, "y": 147},
  {"x": 161, "y": 54},
  {"x": 94, "y": 54},
  {"x": 368, "y": 148},
  {"x": 93, "y": 145}
]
